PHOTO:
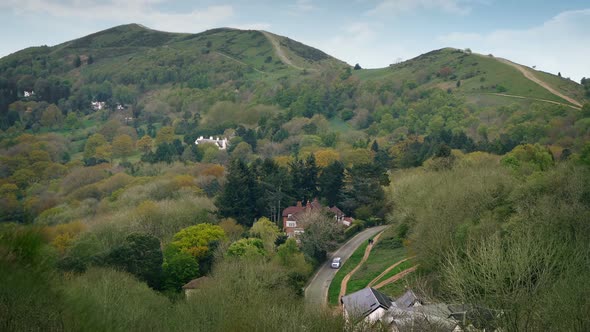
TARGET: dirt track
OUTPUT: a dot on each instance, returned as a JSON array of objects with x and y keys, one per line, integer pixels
[
  {"x": 316, "y": 291},
  {"x": 396, "y": 277},
  {"x": 279, "y": 50},
  {"x": 387, "y": 270},
  {"x": 537, "y": 99},
  {"x": 529, "y": 75},
  {"x": 344, "y": 283}
]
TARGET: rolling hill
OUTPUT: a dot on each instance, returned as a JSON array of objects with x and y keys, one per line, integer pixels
[
  {"x": 223, "y": 78},
  {"x": 480, "y": 75},
  {"x": 134, "y": 54}
]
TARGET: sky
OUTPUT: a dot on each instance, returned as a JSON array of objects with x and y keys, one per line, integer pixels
[{"x": 552, "y": 35}]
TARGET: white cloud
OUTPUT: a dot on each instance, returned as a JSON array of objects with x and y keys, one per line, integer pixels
[
  {"x": 560, "y": 44},
  {"x": 359, "y": 42},
  {"x": 127, "y": 11},
  {"x": 460, "y": 7},
  {"x": 303, "y": 6},
  {"x": 251, "y": 26}
]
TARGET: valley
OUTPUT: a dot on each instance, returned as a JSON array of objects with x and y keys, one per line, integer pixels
[{"x": 164, "y": 181}]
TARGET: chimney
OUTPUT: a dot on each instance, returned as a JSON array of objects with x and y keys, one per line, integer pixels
[
  {"x": 308, "y": 206},
  {"x": 299, "y": 204}
]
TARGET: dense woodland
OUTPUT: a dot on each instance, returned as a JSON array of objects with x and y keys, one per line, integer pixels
[{"x": 106, "y": 213}]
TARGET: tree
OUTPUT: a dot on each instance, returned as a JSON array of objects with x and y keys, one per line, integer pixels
[
  {"x": 357, "y": 67},
  {"x": 239, "y": 196},
  {"x": 110, "y": 129},
  {"x": 165, "y": 135},
  {"x": 165, "y": 152},
  {"x": 93, "y": 142},
  {"x": 103, "y": 152},
  {"x": 528, "y": 158},
  {"x": 179, "y": 268},
  {"x": 267, "y": 231},
  {"x": 310, "y": 176},
  {"x": 141, "y": 256},
  {"x": 364, "y": 190},
  {"x": 321, "y": 236},
  {"x": 90, "y": 59},
  {"x": 122, "y": 146},
  {"x": 331, "y": 182},
  {"x": 251, "y": 247},
  {"x": 231, "y": 228},
  {"x": 325, "y": 157},
  {"x": 290, "y": 257},
  {"x": 195, "y": 240},
  {"x": 51, "y": 117},
  {"x": 77, "y": 61},
  {"x": 72, "y": 121},
  {"x": 242, "y": 151},
  {"x": 145, "y": 144}
]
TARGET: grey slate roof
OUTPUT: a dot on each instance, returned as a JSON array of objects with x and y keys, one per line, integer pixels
[
  {"x": 406, "y": 300},
  {"x": 362, "y": 303}
]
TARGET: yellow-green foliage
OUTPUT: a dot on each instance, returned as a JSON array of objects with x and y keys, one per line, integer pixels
[
  {"x": 250, "y": 247},
  {"x": 267, "y": 231},
  {"x": 195, "y": 240},
  {"x": 485, "y": 234}
]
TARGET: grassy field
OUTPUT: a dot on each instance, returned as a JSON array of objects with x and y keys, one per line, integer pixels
[
  {"x": 338, "y": 125},
  {"x": 371, "y": 74},
  {"x": 396, "y": 289},
  {"x": 348, "y": 265},
  {"x": 403, "y": 266},
  {"x": 477, "y": 73},
  {"x": 380, "y": 259},
  {"x": 564, "y": 85},
  {"x": 387, "y": 251}
]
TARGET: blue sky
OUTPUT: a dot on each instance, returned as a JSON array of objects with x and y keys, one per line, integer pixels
[{"x": 554, "y": 36}]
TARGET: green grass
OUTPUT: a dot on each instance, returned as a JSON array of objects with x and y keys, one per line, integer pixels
[
  {"x": 403, "y": 266},
  {"x": 380, "y": 259},
  {"x": 338, "y": 125},
  {"x": 477, "y": 73},
  {"x": 348, "y": 265},
  {"x": 395, "y": 289},
  {"x": 567, "y": 87},
  {"x": 371, "y": 74}
]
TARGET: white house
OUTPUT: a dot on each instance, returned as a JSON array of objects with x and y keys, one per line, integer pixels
[
  {"x": 220, "y": 143},
  {"x": 97, "y": 105},
  {"x": 367, "y": 305},
  {"x": 29, "y": 93}
]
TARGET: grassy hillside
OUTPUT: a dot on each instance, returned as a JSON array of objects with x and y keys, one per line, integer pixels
[
  {"x": 477, "y": 74},
  {"x": 99, "y": 170}
]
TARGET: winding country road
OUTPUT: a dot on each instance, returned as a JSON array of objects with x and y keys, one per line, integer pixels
[
  {"x": 316, "y": 291},
  {"x": 368, "y": 250}
]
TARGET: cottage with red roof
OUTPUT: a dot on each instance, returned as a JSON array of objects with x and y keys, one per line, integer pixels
[{"x": 292, "y": 216}]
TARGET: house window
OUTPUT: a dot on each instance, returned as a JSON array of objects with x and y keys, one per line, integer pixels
[
  {"x": 289, "y": 216},
  {"x": 291, "y": 224}
]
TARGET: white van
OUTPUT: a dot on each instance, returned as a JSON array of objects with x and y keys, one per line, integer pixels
[{"x": 336, "y": 262}]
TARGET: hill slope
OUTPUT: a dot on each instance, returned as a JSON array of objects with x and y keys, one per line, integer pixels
[{"x": 478, "y": 75}]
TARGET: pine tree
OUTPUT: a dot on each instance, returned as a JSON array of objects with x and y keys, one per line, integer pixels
[
  {"x": 310, "y": 177},
  {"x": 331, "y": 182},
  {"x": 77, "y": 61},
  {"x": 239, "y": 196}
]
